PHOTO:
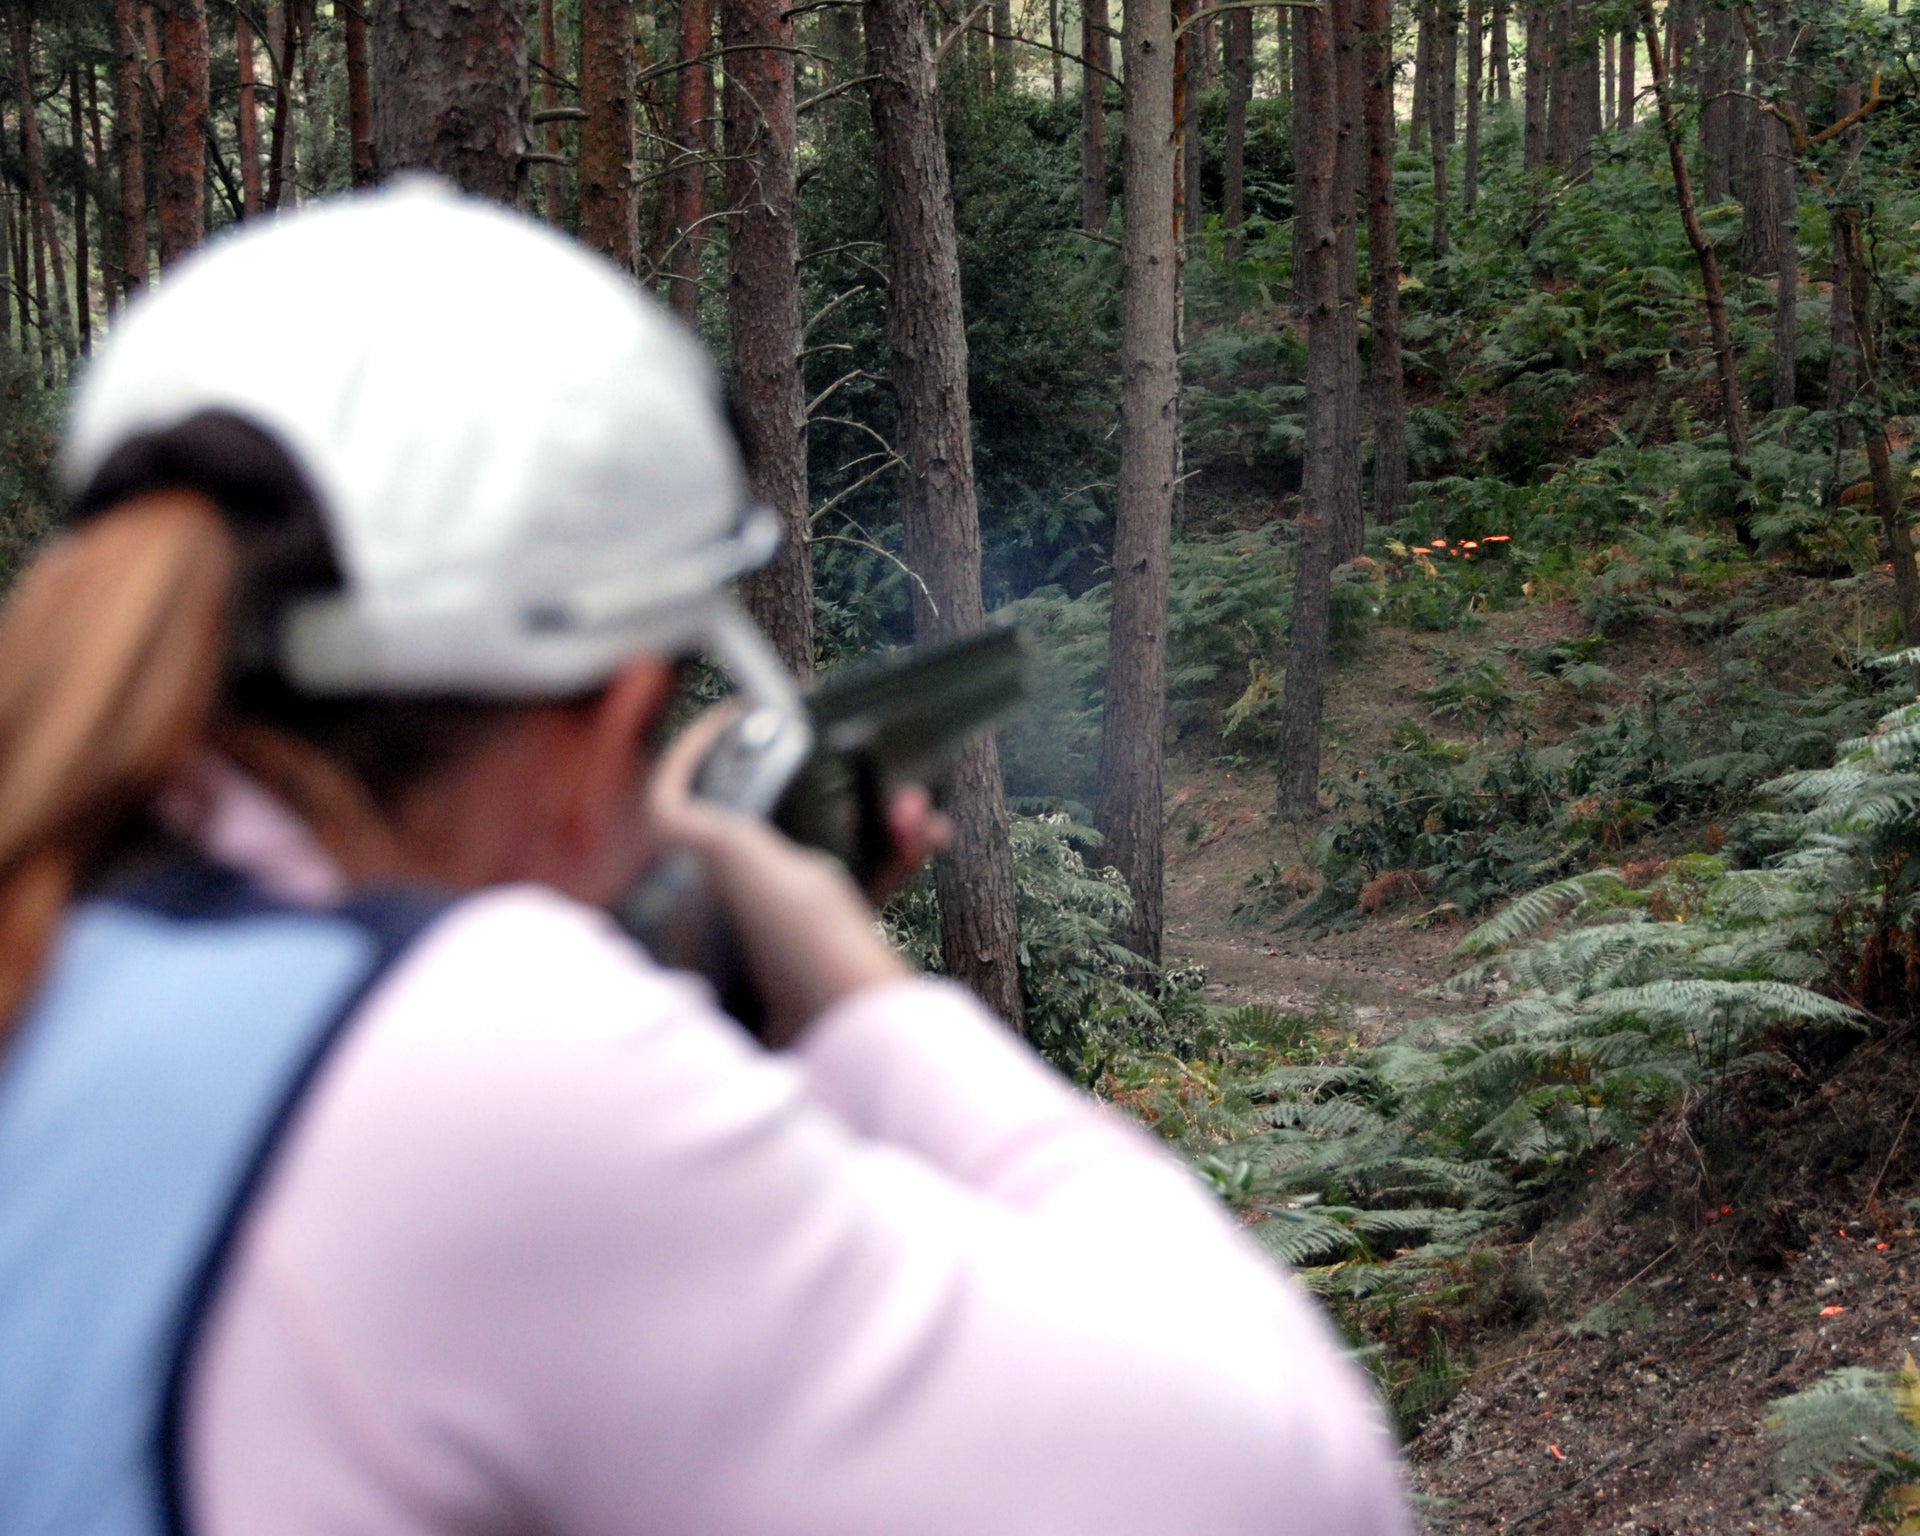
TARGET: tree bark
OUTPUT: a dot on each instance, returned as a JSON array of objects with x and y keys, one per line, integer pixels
[
  {"x": 1585, "y": 82},
  {"x": 553, "y": 187},
  {"x": 1534, "y": 143},
  {"x": 182, "y": 188},
  {"x": 1317, "y": 172},
  {"x": 48, "y": 322},
  {"x": 1387, "y": 378},
  {"x": 129, "y": 155},
  {"x": 1420, "y": 113},
  {"x": 1623, "y": 97},
  {"x": 1350, "y": 168},
  {"x": 252, "y": 191},
  {"x": 281, "y": 39},
  {"x": 1560, "y": 84},
  {"x": 1717, "y": 146},
  {"x": 1129, "y": 808},
  {"x": 1239, "y": 73},
  {"x": 82, "y": 259},
  {"x": 1470, "y": 173},
  {"x": 1053, "y": 50},
  {"x": 1497, "y": 55},
  {"x": 353, "y": 26},
  {"x": 7, "y": 273},
  {"x": 1786, "y": 308},
  {"x": 105, "y": 195},
  {"x": 1843, "y": 338},
  {"x": 927, "y": 347},
  {"x": 1439, "y": 130},
  {"x": 606, "y": 134},
  {"x": 1096, "y": 54},
  {"x": 55, "y": 323},
  {"x": 763, "y": 305},
  {"x": 1732, "y": 410},
  {"x": 1607, "y": 112},
  {"x": 450, "y": 93},
  {"x": 1186, "y": 125},
  {"x": 1762, "y": 140},
  {"x": 686, "y": 182},
  {"x": 1003, "y": 60}
]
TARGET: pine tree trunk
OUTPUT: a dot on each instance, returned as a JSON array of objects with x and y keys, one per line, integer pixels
[
  {"x": 1623, "y": 97},
  {"x": 21, "y": 264},
  {"x": 105, "y": 195},
  {"x": 252, "y": 193},
  {"x": 280, "y": 49},
  {"x": 1420, "y": 114},
  {"x": 1585, "y": 81},
  {"x": 182, "y": 180},
  {"x": 46, "y": 318},
  {"x": 1054, "y": 60},
  {"x": 1732, "y": 409},
  {"x": 1786, "y": 309},
  {"x": 1439, "y": 131},
  {"x": 1716, "y": 108},
  {"x": 1097, "y": 57},
  {"x": 1387, "y": 376},
  {"x": 763, "y": 306},
  {"x": 1745, "y": 138},
  {"x": 1843, "y": 337},
  {"x": 450, "y": 93},
  {"x": 606, "y": 133},
  {"x": 7, "y": 271},
  {"x": 55, "y": 322},
  {"x": 1534, "y": 149},
  {"x": 1186, "y": 138},
  {"x": 1129, "y": 811},
  {"x": 1350, "y": 167},
  {"x": 1560, "y": 84},
  {"x": 1239, "y": 67},
  {"x": 1446, "y": 60},
  {"x": 129, "y": 154},
  {"x": 353, "y": 26},
  {"x": 553, "y": 186},
  {"x": 1316, "y": 169},
  {"x": 1497, "y": 55},
  {"x": 1470, "y": 173},
  {"x": 82, "y": 257},
  {"x": 1760, "y": 190},
  {"x": 686, "y": 182},
  {"x": 927, "y": 347},
  {"x": 1305, "y": 131},
  {"x": 1003, "y": 70}
]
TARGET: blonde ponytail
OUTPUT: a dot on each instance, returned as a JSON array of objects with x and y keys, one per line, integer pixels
[{"x": 111, "y": 651}]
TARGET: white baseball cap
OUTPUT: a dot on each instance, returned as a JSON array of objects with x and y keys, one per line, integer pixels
[{"x": 523, "y": 461}]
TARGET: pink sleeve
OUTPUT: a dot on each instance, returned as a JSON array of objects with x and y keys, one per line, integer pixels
[{"x": 554, "y": 1248}]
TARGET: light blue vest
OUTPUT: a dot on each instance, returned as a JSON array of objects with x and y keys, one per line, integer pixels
[{"x": 141, "y": 1098}]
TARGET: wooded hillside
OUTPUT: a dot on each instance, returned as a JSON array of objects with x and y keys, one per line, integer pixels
[{"x": 1454, "y": 462}]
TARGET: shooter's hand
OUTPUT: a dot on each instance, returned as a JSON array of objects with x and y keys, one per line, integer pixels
[{"x": 807, "y": 931}]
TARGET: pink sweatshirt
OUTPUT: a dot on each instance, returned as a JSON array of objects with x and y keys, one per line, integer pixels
[{"x": 554, "y": 1248}]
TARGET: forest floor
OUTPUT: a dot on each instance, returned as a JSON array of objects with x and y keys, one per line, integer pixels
[{"x": 1623, "y": 1370}]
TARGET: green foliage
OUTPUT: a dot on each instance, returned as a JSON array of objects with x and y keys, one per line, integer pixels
[
  {"x": 1482, "y": 822},
  {"x": 29, "y": 427},
  {"x": 1861, "y": 1420},
  {"x": 1083, "y": 991}
]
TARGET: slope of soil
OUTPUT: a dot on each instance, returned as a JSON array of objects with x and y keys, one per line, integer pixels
[{"x": 1686, "y": 1291}]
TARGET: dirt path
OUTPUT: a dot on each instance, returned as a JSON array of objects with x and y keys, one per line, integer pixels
[{"x": 1221, "y": 833}]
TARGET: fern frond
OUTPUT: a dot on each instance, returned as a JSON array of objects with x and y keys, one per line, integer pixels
[{"x": 1536, "y": 909}]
